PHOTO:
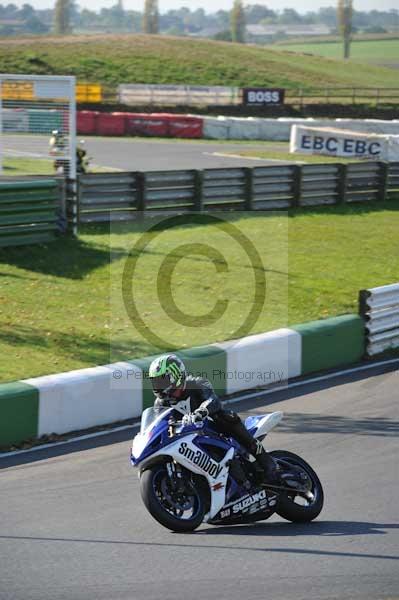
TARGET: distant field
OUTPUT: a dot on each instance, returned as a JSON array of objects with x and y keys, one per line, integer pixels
[
  {"x": 111, "y": 59},
  {"x": 384, "y": 52}
]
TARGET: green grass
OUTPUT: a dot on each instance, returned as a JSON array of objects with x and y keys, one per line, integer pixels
[
  {"x": 295, "y": 157},
  {"x": 36, "y": 166},
  {"x": 112, "y": 59},
  {"x": 384, "y": 52},
  {"x": 27, "y": 166},
  {"x": 59, "y": 311}
]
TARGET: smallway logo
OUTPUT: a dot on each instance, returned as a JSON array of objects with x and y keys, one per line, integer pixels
[{"x": 201, "y": 460}]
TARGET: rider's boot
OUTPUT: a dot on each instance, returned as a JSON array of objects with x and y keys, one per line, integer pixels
[{"x": 266, "y": 462}]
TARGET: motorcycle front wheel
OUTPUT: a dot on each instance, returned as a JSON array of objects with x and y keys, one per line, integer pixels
[
  {"x": 177, "y": 510},
  {"x": 296, "y": 506}
]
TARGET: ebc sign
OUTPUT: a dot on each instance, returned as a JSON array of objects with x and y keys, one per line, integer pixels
[
  {"x": 263, "y": 96},
  {"x": 345, "y": 146}
]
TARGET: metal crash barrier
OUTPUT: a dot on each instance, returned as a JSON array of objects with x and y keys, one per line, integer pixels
[{"x": 379, "y": 308}]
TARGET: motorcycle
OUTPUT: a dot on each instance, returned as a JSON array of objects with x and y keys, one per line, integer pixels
[{"x": 190, "y": 474}]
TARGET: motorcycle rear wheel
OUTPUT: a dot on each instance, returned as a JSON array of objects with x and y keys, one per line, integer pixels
[
  {"x": 168, "y": 507},
  {"x": 288, "y": 506}
]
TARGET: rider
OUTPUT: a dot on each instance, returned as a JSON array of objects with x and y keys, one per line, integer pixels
[
  {"x": 195, "y": 395},
  {"x": 58, "y": 148},
  {"x": 81, "y": 157},
  {"x": 57, "y": 142}
]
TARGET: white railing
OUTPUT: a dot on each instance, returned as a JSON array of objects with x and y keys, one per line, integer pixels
[{"x": 380, "y": 309}]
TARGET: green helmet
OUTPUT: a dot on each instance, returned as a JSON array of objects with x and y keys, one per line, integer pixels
[{"x": 167, "y": 373}]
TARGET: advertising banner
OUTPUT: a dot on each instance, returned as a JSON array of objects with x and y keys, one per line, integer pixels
[
  {"x": 344, "y": 143},
  {"x": 263, "y": 96},
  {"x": 88, "y": 92},
  {"x": 177, "y": 95}
]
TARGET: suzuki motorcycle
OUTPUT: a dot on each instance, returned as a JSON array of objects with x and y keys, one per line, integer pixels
[{"x": 191, "y": 474}]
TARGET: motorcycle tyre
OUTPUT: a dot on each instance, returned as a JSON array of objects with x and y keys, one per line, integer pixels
[
  {"x": 286, "y": 508},
  {"x": 162, "y": 515}
]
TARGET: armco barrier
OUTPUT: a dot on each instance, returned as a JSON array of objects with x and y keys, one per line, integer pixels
[
  {"x": 45, "y": 120},
  {"x": 379, "y": 308},
  {"x": 331, "y": 343},
  {"x": 28, "y": 212},
  {"x": 121, "y": 195},
  {"x": 103, "y": 395},
  {"x": 106, "y": 197}
]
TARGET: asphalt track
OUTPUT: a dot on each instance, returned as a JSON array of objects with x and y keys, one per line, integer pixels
[
  {"x": 142, "y": 154},
  {"x": 73, "y": 525}
]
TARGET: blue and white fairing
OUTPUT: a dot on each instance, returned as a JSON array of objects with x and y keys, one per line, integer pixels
[
  {"x": 186, "y": 447},
  {"x": 190, "y": 446},
  {"x": 261, "y": 425}
]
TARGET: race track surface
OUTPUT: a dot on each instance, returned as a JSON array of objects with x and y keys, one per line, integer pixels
[
  {"x": 141, "y": 154},
  {"x": 73, "y": 525}
]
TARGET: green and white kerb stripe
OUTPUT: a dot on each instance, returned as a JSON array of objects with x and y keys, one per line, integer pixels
[{"x": 102, "y": 395}]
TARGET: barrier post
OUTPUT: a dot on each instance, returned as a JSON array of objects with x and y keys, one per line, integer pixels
[
  {"x": 140, "y": 187},
  {"x": 383, "y": 177},
  {"x": 198, "y": 191},
  {"x": 296, "y": 186},
  {"x": 248, "y": 193},
  {"x": 342, "y": 183},
  {"x": 75, "y": 192}
]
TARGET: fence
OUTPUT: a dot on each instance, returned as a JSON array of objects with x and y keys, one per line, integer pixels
[
  {"x": 120, "y": 196},
  {"x": 376, "y": 96},
  {"x": 380, "y": 309},
  {"x": 175, "y": 95},
  {"x": 28, "y": 212},
  {"x": 31, "y": 108},
  {"x": 32, "y": 210}
]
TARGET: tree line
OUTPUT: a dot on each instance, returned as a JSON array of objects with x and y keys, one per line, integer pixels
[{"x": 229, "y": 25}]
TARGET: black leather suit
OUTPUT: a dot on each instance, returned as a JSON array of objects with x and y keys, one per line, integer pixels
[{"x": 199, "y": 393}]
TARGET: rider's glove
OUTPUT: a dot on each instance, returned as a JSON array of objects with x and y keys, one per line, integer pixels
[
  {"x": 195, "y": 418},
  {"x": 200, "y": 414}
]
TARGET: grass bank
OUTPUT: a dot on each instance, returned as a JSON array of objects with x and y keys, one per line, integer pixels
[
  {"x": 60, "y": 305},
  {"x": 113, "y": 59}
]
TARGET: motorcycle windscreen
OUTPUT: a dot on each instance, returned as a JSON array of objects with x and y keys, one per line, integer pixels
[{"x": 149, "y": 416}]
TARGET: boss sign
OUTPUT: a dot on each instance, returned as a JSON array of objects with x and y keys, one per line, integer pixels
[{"x": 262, "y": 96}]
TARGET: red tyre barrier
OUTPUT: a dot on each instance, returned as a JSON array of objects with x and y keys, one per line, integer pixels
[
  {"x": 186, "y": 127},
  {"x": 86, "y": 121},
  {"x": 111, "y": 124},
  {"x": 134, "y": 122},
  {"x": 147, "y": 125}
]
